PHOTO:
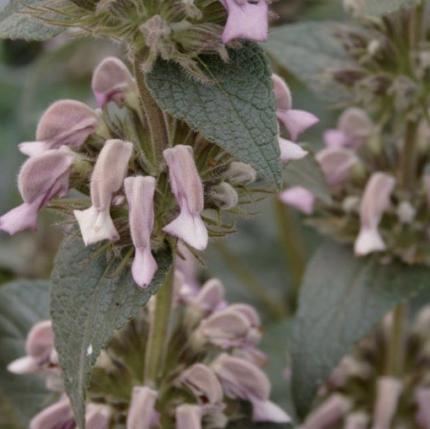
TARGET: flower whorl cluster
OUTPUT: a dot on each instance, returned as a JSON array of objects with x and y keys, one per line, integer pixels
[
  {"x": 358, "y": 395},
  {"x": 175, "y": 30},
  {"x": 376, "y": 161},
  {"x": 212, "y": 369},
  {"x": 107, "y": 155}
]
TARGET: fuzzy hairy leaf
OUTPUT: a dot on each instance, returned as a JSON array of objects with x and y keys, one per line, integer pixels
[
  {"x": 307, "y": 173},
  {"x": 310, "y": 50},
  {"x": 22, "y": 304},
  {"x": 14, "y": 24},
  {"x": 236, "y": 110},
  {"x": 342, "y": 299},
  {"x": 383, "y": 7},
  {"x": 87, "y": 307}
]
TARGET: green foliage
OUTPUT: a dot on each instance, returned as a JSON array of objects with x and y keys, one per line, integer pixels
[
  {"x": 236, "y": 110},
  {"x": 342, "y": 299},
  {"x": 309, "y": 50},
  {"x": 87, "y": 307},
  {"x": 383, "y": 7},
  {"x": 22, "y": 304},
  {"x": 16, "y": 25},
  {"x": 307, "y": 173}
]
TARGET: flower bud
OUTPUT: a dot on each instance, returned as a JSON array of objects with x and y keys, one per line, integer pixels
[
  {"x": 109, "y": 172},
  {"x": 65, "y": 123},
  {"x": 354, "y": 7},
  {"x": 98, "y": 416},
  {"x": 204, "y": 384},
  {"x": 210, "y": 297},
  {"x": 357, "y": 420},
  {"x": 42, "y": 178},
  {"x": 389, "y": 390},
  {"x": 239, "y": 173},
  {"x": 140, "y": 196},
  {"x": 375, "y": 202},
  {"x": 226, "y": 328},
  {"x": 295, "y": 121},
  {"x": 39, "y": 348},
  {"x": 329, "y": 413},
  {"x": 406, "y": 212},
  {"x": 224, "y": 196},
  {"x": 243, "y": 380},
  {"x": 290, "y": 151},
  {"x": 247, "y": 19},
  {"x": 299, "y": 198},
  {"x": 111, "y": 81},
  {"x": 188, "y": 190},
  {"x": 336, "y": 164},
  {"x": 188, "y": 417},
  {"x": 58, "y": 415},
  {"x": 142, "y": 413}
]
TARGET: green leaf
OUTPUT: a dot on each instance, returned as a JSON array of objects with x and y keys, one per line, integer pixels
[
  {"x": 342, "y": 299},
  {"x": 309, "y": 51},
  {"x": 383, "y": 7},
  {"x": 236, "y": 111},
  {"x": 14, "y": 24},
  {"x": 87, "y": 307},
  {"x": 22, "y": 304},
  {"x": 307, "y": 173}
]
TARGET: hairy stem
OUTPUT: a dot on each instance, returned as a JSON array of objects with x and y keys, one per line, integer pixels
[
  {"x": 158, "y": 334},
  {"x": 155, "y": 117},
  {"x": 396, "y": 343},
  {"x": 248, "y": 279},
  {"x": 294, "y": 250}
]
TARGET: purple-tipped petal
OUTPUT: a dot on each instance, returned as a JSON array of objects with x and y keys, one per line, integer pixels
[
  {"x": 21, "y": 218},
  {"x": 299, "y": 198},
  {"x": 247, "y": 19},
  {"x": 290, "y": 151},
  {"x": 297, "y": 121}
]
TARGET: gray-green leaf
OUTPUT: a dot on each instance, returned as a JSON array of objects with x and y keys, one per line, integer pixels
[
  {"x": 87, "y": 307},
  {"x": 22, "y": 304},
  {"x": 236, "y": 111},
  {"x": 342, "y": 299},
  {"x": 383, "y": 7},
  {"x": 307, "y": 173},
  {"x": 309, "y": 51},
  {"x": 14, "y": 24}
]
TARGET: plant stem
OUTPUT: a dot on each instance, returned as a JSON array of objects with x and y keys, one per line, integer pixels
[
  {"x": 158, "y": 334},
  {"x": 155, "y": 117},
  {"x": 294, "y": 250},
  {"x": 250, "y": 281},
  {"x": 396, "y": 343}
]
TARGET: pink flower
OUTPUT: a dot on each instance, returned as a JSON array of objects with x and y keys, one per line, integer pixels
[
  {"x": 142, "y": 413},
  {"x": 336, "y": 164},
  {"x": 389, "y": 390},
  {"x": 290, "y": 151},
  {"x": 188, "y": 417},
  {"x": 98, "y": 416},
  {"x": 203, "y": 383},
  {"x": 247, "y": 19},
  {"x": 42, "y": 178},
  {"x": 353, "y": 128},
  {"x": 329, "y": 413},
  {"x": 295, "y": 121},
  {"x": 357, "y": 420},
  {"x": 111, "y": 81},
  {"x": 210, "y": 297},
  {"x": 241, "y": 379},
  {"x": 299, "y": 198},
  {"x": 39, "y": 348},
  {"x": 375, "y": 201},
  {"x": 140, "y": 195},
  {"x": 58, "y": 415},
  {"x": 108, "y": 175},
  {"x": 188, "y": 190},
  {"x": 65, "y": 123}
]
